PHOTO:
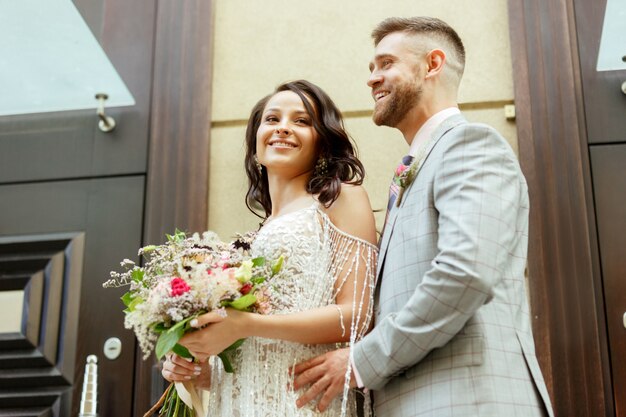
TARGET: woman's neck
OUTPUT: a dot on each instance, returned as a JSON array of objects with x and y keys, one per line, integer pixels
[{"x": 288, "y": 194}]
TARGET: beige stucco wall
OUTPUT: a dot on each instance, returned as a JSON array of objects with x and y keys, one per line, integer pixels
[
  {"x": 259, "y": 44},
  {"x": 11, "y": 305}
]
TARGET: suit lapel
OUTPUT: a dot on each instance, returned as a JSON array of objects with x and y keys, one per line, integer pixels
[{"x": 437, "y": 134}]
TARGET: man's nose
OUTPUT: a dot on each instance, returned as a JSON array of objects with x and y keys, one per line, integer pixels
[{"x": 374, "y": 79}]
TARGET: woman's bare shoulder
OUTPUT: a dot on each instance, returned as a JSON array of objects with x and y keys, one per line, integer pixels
[{"x": 352, "y": 213}]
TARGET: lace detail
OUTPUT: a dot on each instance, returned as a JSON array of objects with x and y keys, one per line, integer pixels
[{"x": 319, "y": 261}]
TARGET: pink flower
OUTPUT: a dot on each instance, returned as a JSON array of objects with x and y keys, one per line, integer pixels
[
  {"x": 400, "y": 169},
  {"x": 178, "y": 287},
  {"x": 246, "y": 288}
]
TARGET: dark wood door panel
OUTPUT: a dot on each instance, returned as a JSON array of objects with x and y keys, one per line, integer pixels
[
  {"x": 69, "y": 234},
  {"x": 565, "y": 283},
  {"x": 157, "y": 55},
  {"x": 605, "y": 103},
  {"x": 69, "y": 144},
  {"x": 608, "y": 164}
]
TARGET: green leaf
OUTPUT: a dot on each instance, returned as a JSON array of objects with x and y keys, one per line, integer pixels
[
  {"x": 182, "y": 323},
  {"x": 149, "y": 248},
  {"x": 260, "y": 261},
  {"x": 178, "y": 236},
  {"x": 278, "y": 265},
  {"x": 242, "y": 302},
  {"x": 134, "y": 303},
  {"x": 167, "y": 341},
  {"x": 235, "y": 345},
  {"x": 127, "y": 298},
  {"x": 181, "y": 351},
  {"x": 137, "y": 275},
  {"x": 225, "y": 357},
  {"x": 228, "y": 367},
  {"x": 257, "y": 280},
  {"x": 159, "y": 328}
]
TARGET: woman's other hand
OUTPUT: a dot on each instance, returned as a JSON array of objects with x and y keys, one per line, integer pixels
[{"x": 178, "y": 369}]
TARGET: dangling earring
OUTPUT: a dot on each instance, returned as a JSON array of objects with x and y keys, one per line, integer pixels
[
  {"x": 321, "y": 167},
  {"x": 259, "y": 167}
]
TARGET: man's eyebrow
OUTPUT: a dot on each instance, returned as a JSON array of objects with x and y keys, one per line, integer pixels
[
  {"x": 383, "y": 56},
  {"x": 379, "y": 58}
]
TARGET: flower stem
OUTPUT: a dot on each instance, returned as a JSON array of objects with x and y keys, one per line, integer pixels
[{"x": 160, "y": 402}]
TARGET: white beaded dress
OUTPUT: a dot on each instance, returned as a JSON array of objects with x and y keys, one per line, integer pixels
[{"x": 318, "y": 260}]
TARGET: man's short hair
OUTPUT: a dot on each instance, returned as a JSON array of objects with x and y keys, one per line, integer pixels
[{"x": 422, "y": 25}]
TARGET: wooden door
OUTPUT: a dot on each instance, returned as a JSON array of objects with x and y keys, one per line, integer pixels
[
  {"x": 605, "y": 111},
  {"x": 569, "y": 116},
  {"x": 67, "y": 189},
  {"x": 71, "y": 207},
  {"x": 608, "y": 164},
  {"x": 69, "y": 144},
  {"x": 58, "y": 240},
  {"x": 605, "y": 117}
]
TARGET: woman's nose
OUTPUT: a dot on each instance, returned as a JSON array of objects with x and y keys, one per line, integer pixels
[{"x": 282, "y": 129}]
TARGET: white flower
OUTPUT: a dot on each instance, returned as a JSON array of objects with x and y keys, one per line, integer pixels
[
  {"x": 244, "y": 272},
  {"x": 127, "y": 263}
]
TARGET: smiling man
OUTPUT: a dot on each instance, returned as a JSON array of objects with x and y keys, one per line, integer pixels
[{"x": 452, "y": 335}]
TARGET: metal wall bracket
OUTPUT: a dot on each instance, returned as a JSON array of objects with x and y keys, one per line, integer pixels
[{"x": 106, "y": 123}]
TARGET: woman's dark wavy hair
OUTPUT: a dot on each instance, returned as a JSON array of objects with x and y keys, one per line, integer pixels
[{"x": 333, "y": 142}]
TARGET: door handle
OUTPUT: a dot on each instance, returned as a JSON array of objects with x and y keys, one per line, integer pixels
[{"x": 112, "y": 348}]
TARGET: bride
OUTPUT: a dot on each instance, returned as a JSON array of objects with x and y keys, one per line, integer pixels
[{"x": 304, "y": 175}]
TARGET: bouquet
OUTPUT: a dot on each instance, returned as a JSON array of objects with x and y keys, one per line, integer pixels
[{"x": 182, "y": 279}]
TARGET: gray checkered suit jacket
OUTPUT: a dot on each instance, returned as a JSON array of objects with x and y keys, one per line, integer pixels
[{"x": 452, "y": 335}]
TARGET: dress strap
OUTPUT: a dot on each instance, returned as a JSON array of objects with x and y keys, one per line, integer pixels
[{"x": 326, "y": 222}]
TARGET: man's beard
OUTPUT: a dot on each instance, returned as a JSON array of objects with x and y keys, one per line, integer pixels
[{"x": 399, "y": 103}]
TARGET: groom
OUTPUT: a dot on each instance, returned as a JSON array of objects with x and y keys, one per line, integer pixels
[{"x": 452, "y": 331}]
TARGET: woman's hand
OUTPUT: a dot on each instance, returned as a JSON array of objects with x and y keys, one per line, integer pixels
[
  {"x": 178, "y": 369},
  {"x": 215, "y": 333}
]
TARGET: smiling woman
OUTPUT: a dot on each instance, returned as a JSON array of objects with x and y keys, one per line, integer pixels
[
  {"x": 304, "y": 175},
  {"x": 302, "y": 115},
  {"x": 286, "y": 139}
]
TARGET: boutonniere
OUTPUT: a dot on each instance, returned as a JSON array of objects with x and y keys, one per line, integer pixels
[{"x": 404, "y": 176}]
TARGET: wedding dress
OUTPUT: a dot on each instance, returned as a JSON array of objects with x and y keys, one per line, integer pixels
[{"x": 318, "y": 260}]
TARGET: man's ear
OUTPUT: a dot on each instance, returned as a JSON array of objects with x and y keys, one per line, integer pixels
[{"x": 436, "y": 59}]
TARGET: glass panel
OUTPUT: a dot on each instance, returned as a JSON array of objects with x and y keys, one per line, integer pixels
[
  {"x": 612, "y": 54},
  {"x": 50, "y": 60},
  {"x": 11, "y": 302}
]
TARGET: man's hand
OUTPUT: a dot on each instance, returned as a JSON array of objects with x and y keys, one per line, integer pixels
[{"x": 326, "y": 374}]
